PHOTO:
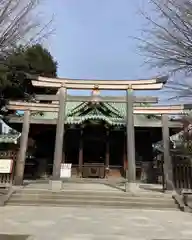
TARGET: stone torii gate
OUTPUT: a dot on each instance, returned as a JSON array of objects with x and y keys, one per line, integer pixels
[{"x": 128, "y": 86}]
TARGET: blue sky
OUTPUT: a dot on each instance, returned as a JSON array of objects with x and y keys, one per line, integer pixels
[{"x": 92, "y": 38}]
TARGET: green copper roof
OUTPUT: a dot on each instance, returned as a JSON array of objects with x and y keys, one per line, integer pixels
[
  {"x": 9, "y": 138},
  {"x": 77, "y": 113}
]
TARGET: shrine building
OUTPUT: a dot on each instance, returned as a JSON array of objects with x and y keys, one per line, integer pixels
[{"x": 101, "y": 136}]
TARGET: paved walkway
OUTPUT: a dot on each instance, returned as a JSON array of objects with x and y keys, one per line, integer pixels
[{"x": 95, "y": 224}]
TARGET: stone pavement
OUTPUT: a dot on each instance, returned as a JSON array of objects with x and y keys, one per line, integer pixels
[
  {"x": 49, "y": 223},
  {"x": 105, "y": 186}
]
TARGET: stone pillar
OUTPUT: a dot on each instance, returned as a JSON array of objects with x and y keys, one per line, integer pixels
[
  {"x": 56, "y": 183},
  {"x": 20, "y": 164},
  {"x": 131, "y": 185},
  {"x": 168, "y": 170},
  {"x": 125, "y": 162},
  {"x": 81, "y": 154}
]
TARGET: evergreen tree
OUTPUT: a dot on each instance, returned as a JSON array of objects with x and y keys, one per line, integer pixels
[{"x": 34, "y": 60}]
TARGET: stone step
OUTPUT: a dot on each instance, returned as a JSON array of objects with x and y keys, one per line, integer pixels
[
  {"x": 94, "y": 193},
  {"x": 92, "y": 202},
  {"x": 90, "y": 195},
  {"x": 81, "y": 196},
  {"x": 37, "y": 204},
  {"x": 84, "y": 198},
  {"x": 73, "y": 191},
  {"x": 4, "y": 190}
]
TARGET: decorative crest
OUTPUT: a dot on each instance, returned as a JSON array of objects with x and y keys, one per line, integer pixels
[
  {"x": 95, "y": 91},
  {"x": 95, "y": 94}
]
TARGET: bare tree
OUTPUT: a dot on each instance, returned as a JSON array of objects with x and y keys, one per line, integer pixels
[
  {"x": 19, "y": 25},
  {"x": 167, "y": 41}
]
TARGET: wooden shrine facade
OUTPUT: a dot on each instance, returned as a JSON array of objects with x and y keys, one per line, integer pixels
[{"x": 58, "y": 105}]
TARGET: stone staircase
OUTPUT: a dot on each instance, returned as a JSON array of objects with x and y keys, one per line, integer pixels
[
  {"x": 90, "y": 198},
  {"x": 5, "y": 194}
]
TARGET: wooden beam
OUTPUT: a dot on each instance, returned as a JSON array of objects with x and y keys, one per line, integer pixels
[
  {"x": 137, "y": 123},
  {"x": 153, "y": 107},
  {"x": 44, "y": 107},
  {"x": 162, "y": 79},
  {"x": 35, "y": 109},
  {"x": 116, "y": 99},
  {"x": 136, "y": 110},
  {"x": 32, "y": 104},
  {"x": 159, "y": 110},
  {"x": 20, "y": 164},
  {"x": 108, "y": 86},
  {"x": 40, "y": 107}
]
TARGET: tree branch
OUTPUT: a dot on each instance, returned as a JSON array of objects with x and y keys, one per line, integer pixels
[{"x": 167, "y": 41}]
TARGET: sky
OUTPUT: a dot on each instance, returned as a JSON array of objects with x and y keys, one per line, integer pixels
[{"x": 93, "y": 39}]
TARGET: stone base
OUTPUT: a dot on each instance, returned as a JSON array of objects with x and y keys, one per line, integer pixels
[
  {"x": 18, "y": 181},
  {"x": 56, "y": 185},
  {"x": 171, "y": 192},
  {"x": 148, "y": 173},
  {"x": 131, "y": 187}
]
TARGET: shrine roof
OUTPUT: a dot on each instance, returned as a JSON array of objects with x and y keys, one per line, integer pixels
[
  {"x": 9, "y": 138},
  {"x": 112, "y": 113}
]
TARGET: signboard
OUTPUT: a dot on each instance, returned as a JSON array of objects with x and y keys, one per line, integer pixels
[
  {"x": 65, "y": 170},
  {"x": 6, "y": 165}
]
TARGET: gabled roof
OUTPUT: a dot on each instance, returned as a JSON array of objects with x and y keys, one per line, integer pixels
[
  {"x": 112, "y": 113},
  {"x": 9, "y": 138}
]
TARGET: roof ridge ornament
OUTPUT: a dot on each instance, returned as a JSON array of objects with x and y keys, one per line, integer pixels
[
  {"x": 95, "y": 94},
  {"x": 96, "y": 90}
]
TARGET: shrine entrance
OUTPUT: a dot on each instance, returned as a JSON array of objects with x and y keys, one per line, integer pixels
[
  {"x": 94, "y": 150},
  {"x": 94, "y": 144}
]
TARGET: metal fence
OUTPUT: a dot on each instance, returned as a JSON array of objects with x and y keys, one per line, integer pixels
[
  {"x": 6, "y": 179},
  {"x": 182, "y": 171}
]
